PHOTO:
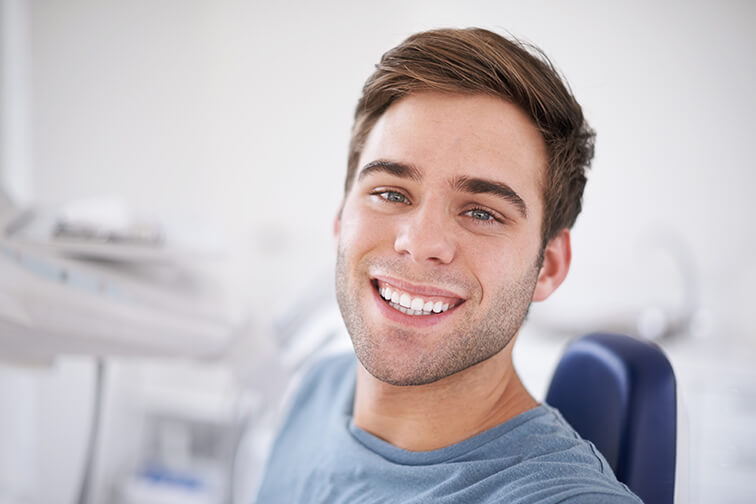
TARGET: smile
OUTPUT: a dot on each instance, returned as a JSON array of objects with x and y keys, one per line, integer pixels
[{"x": 414, "y": 304}]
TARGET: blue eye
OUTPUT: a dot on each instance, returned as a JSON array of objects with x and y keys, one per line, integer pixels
[
  {"x": 481, "y": 215},
  {"x": 393, "y": 196}
]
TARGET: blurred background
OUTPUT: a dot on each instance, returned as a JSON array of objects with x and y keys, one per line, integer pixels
[{"x": 171, "y": 170}]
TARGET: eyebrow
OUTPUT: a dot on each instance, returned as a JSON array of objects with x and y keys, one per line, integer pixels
[
  {"x": 498, "y": 189},
  {"x": 392, "y": 168}
]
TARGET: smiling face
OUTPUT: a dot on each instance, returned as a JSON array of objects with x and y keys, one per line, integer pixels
[{"x": 440, "y": 236}]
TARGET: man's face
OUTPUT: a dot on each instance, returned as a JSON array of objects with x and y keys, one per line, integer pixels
[{"x": 439, "y": 236}]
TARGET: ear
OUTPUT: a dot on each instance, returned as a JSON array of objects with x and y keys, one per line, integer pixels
[
  {"x": 337, "y": 225},
  {"x": 556, "y": 263}
]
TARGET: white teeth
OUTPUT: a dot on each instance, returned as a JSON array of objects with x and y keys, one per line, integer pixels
[
  {"x": 405, "y": 300},
  {"x": 410, "y": 311},
  {"x": 411, "y": 305}
]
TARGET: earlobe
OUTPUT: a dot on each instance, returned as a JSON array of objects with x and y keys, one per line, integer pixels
[{"x": 556, "y": 263}]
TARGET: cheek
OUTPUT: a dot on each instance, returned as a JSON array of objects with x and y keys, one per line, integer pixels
[
  {"x": 362, "y": 230},
  {"x": 488, "y": 264},
  {"x": 495, "y": 263}
]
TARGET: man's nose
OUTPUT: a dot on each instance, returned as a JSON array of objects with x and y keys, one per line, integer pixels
[{"x": 427, "y": 234}]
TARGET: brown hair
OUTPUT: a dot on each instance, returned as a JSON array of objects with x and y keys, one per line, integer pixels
[{"x": 475, "y": 60}]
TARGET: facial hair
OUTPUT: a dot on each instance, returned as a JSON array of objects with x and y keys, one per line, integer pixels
[{"x": 479, "y": 335}]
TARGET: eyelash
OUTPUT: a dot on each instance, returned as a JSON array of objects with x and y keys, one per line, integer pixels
[{"x": 494, "y": 217}]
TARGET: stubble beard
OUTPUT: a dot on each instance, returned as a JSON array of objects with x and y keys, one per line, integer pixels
[{"x": 476, "y": 338}]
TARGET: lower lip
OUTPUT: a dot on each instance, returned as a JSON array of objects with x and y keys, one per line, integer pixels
[{"x": 409, "y": 320}]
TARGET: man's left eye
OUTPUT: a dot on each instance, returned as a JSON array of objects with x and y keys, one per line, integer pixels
[{"x": 481, "y": 215}]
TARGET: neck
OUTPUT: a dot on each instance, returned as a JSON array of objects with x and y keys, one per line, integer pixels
[{"x": 428, "y": 417}]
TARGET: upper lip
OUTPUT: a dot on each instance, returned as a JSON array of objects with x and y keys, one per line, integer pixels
[{"x": 418, "y": 289}]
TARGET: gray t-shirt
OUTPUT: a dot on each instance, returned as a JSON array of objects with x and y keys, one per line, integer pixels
[{"x": 320, "y": 456}]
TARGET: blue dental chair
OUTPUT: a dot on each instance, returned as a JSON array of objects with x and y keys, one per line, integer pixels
[{"x": 620, "y": 393}]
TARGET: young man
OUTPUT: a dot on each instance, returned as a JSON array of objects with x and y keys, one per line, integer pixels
[{"x": 466, "y": 171}]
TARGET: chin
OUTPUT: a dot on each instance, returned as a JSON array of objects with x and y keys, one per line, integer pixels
[
  {"x": 401, "y": 377},
  {"x": 409, "y": 368}
]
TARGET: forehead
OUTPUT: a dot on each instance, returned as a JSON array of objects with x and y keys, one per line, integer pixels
[{"x": 448, "y": 135}]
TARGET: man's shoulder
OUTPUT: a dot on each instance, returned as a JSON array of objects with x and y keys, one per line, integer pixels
[
  {"x": 541, "y": 450},
  {"x": 543, "y": 432},
  {"x": 328, "y": 374},
  {"x": 326, "y": 386}
]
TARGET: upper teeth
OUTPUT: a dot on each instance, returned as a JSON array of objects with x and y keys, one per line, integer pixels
[{"x": 411, "y": 305}]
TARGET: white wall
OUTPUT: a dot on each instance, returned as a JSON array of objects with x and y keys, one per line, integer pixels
[{"x": 15, "y": 173}]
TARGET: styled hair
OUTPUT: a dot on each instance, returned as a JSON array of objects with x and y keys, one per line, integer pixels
[{"x": 473, "y": 61}]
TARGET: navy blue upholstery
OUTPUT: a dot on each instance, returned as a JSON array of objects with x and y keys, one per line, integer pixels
[{"x": 620, "y": 393}]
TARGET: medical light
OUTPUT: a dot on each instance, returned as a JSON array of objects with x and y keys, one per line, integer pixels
[{"x": 73, "y": 282}]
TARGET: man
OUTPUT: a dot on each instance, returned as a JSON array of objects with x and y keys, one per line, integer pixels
[{"x": 465, "y": 173}]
